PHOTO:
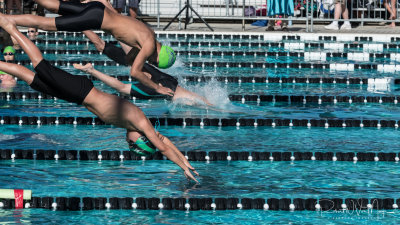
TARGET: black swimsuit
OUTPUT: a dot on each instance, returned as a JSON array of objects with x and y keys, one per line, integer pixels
[
  {"x": 79, "y": 16},
  {"x": 138, "y": 89},
  {"x": 58, "y": 83}
]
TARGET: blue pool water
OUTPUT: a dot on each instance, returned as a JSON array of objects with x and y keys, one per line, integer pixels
[
  {"x": 218, "y": 139},
  {"x": 197, "y": 217},
  {"x": 225, "y": 179},
  {"x": 217, "y": 179}
]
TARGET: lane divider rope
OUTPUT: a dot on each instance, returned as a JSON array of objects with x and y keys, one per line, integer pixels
[
  {"x": 202, "y": 122},
  {"x": 195, "y": 204},
  {"x": 239, "y": 97},
  {"x": 116, "y": 155}
]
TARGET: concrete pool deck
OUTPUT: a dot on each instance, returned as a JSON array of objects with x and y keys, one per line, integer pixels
[{"x": 294, "y": 29}]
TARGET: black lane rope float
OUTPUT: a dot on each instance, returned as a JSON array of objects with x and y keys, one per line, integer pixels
[
  {"x": 310, "y": 65},
  {"x": 202, "y": 122},
  {"x": 291, "y": 79},
  {"x": 265, "y": 79},
  {"x": 40, "y": 154},
  {"x": 242, "y": 97},
  {"x": 51, "y": 34},
  {"x": 218, "y": 52},
  {"x": 234, "y": 43},
  {"x": 223, "y": 36},
  {"x": 314, "y": 98},
  {"x": 24, "y": 199},
  {"x": 277, "y": 44}
]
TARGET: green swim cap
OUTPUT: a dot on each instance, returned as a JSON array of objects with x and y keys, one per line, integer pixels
[
  {"x": 1, "y": 72},
  {"x": 9, "y": 49},
  {"x": 166, "y": 57},
  {"x": 142, "y": 146}
]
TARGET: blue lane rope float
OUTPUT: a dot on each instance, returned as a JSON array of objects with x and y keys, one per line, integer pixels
[
  {"x": 201, "y": 122},
  {"x": 208, "y": 203},
  {"x": 40, "y": 154}
]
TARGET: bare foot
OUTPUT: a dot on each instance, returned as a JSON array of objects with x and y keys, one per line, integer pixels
[
  {"x": 85, "y": 68},
  {"x": 6, "y": 23}
]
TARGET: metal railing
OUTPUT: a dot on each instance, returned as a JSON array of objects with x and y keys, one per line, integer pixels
[
  {"x": 221, "y": 9},
  {"x": 307, "y": 12},
  {"x": 360, "y": 11}
]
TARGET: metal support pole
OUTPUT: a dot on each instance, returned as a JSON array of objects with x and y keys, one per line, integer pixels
[
  {"x": 158, "y": 13},
  {"x": 312, "y": 14},
  {"x": 180, "y": 17},
  {"x": 227, "y": 7},
  {"x": 243, "y": 22}
]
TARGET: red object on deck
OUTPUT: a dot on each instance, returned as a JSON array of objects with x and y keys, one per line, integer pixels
[{"x": 19, "y": 198}]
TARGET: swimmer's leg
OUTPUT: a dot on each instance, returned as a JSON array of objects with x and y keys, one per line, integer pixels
[
  {"x": 63, "y": 7},
  {"x": 19, "y": 71},
  {"x": 33, "y": 52},
  {"x": 51, "y": 5},
  {"x": 27, "y": 45},
  {"x": 27, "y": 20}
]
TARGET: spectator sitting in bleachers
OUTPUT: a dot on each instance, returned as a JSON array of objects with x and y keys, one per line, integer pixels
[
  {"x": 32, "y": 33},
  {"x": 340, "y": 9},
  {"x": 14, "y": 5},
  {"x": 119, "y": 5}
]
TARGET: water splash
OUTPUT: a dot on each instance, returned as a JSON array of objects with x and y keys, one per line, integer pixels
[
  {"x": 213, "y": 91},
  {"x": 43, "y": 138},
  {"x": 218, "y": 95},
  {"x": 6, "y": 137}
]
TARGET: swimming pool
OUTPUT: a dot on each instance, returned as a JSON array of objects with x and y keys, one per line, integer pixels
[{"x": 301, "y": 123}]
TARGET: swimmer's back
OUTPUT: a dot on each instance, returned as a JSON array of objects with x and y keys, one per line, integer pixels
[{"x": 127, "y": 29}]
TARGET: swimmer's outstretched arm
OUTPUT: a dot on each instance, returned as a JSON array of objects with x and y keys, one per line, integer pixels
[
  {"x": 136, "y": 70},
  {"x": 143, "y": 125},
  {"x": 110, "y": 81},
  {"x": 176, "y": 150},
  {"x": 191, "y": 97},
  {"x": 95, "y": 39}
]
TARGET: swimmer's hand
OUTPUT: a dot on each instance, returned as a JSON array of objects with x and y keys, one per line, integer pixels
[
  {"x": 88, "y": 68},
  {"x": 164, "y": 91},
  {"x": 189, "y": 175},
  {"x": 192, "y": 168}
]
